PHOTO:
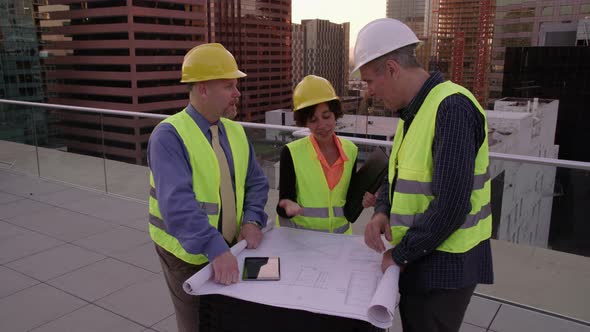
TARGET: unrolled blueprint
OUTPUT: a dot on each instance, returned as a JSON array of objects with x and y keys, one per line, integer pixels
[{"x": 323, "y": 273}]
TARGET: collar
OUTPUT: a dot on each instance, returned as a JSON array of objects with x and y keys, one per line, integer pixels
[
  {"x": 343, "y": 157},
  {"x": 204, "y": 123},
  {"x": 409, "y": 112}
]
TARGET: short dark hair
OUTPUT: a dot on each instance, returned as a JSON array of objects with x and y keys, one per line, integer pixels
[{"x": 303, "y": 115}]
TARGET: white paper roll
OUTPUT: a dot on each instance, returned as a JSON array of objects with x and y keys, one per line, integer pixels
[
  {"x": 382, "y": 306},
  {"x": 193, "y": 283}
]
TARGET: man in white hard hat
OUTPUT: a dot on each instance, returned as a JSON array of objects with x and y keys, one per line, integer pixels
[{"x": 435, "y": 204}]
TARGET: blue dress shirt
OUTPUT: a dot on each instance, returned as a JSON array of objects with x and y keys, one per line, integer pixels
[{"x": 184, "y": 218}]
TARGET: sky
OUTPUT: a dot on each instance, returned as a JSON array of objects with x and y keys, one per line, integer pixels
[{"x": 357, "y": 12}]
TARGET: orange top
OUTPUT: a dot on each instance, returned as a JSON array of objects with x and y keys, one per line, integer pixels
[{"x": 333, "y": 172}]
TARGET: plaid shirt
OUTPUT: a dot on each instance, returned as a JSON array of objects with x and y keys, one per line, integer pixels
[{"x": 459, "y": 132}]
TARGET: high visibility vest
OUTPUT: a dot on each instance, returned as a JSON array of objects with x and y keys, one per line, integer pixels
[
  {"x": 411, "y": 161},
  {"x": 323, "y": 209},
  {"x": 205, "y": 178}
]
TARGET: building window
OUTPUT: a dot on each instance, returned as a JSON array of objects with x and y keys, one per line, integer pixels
[
  {"x": 516, "y": 13},
  {"x": 515, "y": 42},
  {"x": 585, "y": 9},
  {"x": 495, "y": 94},
  {"x": 565, "y": 10},
  {"x": 514, "y": 28},
  {"x": 498, "y": 55},
  {"x": 497, "y": 69},
  {"x": 547, "y": 11},
  {"x": 507, "y": 2}
]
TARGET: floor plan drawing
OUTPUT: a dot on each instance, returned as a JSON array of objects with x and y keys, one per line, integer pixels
[{"x": 325, "y": 273}]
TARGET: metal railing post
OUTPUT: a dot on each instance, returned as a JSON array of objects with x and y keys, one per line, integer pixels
[
  {"x": 36, "y": 142},
  {"x": 104, "y": 154}
]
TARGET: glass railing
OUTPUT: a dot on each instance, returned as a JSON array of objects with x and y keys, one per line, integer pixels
[
  {"x": 539, "y": 205},
  {"x": 19, "y": 139},
  {"x": 60, "y": 157}
]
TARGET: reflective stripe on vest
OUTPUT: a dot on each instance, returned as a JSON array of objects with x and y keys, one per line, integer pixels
[
  {"x": 323, "y": 208},
  {"x": 205, "y": 179},
  {"x": 210, "y": 208},
  {"x": 470, "y": 221},
  {"x": 157, "y": 222},
  {"x": 411, "y": 165},
  {"x": 322, "y": 212},
  {"x": 425, "y": 188},
  {"x": 284, "y": 222}
]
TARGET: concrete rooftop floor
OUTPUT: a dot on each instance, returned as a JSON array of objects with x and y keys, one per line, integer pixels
[{"x": 74, "y": 259}]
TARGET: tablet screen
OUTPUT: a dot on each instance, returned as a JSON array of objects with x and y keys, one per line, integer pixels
[{"x": 261, "y": 268}]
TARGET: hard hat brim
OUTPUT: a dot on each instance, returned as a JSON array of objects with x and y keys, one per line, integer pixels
[
  {"x": 313, "y": 102},
  {"x": 369, "y": 60},
  {"x": 229, "y": 76}
]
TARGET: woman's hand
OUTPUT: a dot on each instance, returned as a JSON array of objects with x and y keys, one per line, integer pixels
[
  {"x": 369, "y": 199},
  {"x": 291, "y": 208}
]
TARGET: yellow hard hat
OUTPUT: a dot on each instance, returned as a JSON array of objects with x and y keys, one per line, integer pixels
[
  {"x": 209, "y": 62},
  {"x": 312, "y": 90}
]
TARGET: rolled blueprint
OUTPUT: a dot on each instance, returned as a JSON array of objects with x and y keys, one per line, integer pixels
[
  {"x": 330, "y": 274},
  {"x": 382, "y": 306},
  {"x": 193, "y": 283}
]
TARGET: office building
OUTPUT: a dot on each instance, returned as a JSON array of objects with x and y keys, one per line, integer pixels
[
  {"x": 125, "y": 55},
  {"x": 532, "y": 23},
  {"x": 321, "y": 48},
  {"x": 462, "y": 42},
  {"x": 560, "y": 73},
  {"x": 522, "y": 193},
  {"x": 417, "y": 15},
  {"x": 258, "y": 33},
  {"x": 21, "y": 72}
]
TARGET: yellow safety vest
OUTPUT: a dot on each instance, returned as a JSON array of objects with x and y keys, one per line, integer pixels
[
  {"x": 411, "y": 160},
  {"x": 323, "y": 209},
  {"x": 205, "y": 179}
]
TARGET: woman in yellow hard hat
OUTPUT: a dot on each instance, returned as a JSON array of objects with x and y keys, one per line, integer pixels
[{"x": 315, "y": 171}]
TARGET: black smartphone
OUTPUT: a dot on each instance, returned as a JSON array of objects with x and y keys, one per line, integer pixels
[{"x": 262, "y": 268}]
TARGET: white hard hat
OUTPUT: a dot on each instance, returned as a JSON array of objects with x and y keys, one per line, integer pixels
[{"x": 380, "y": 37}]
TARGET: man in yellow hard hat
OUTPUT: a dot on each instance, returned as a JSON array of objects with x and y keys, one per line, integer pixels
[
  {"x": 435, "y": 206},
  {"x": 207, "y": 189}
]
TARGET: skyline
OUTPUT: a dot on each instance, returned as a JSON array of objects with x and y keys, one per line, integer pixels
[{"x": 357, "y": 13}]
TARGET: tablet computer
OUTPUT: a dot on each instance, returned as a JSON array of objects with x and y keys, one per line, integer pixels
[{"x": 262, "y": 268}]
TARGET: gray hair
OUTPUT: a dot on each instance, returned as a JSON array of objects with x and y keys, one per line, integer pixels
[{"x": 404, "y": 56}]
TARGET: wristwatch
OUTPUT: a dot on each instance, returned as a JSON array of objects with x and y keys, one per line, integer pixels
[{"x": 254, "y": 222}]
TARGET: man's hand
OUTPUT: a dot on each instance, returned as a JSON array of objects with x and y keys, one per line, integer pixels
[
  {"x": 252, "y": 234},
  {"x": 378, "y": 225},
  {"x": 387, "y": 260},
  {"x": 225, "y": 268},
  {"x": 291, "y": 208}
]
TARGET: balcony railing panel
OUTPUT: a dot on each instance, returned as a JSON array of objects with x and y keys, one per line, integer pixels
[{"x": 18, "y": 135}]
